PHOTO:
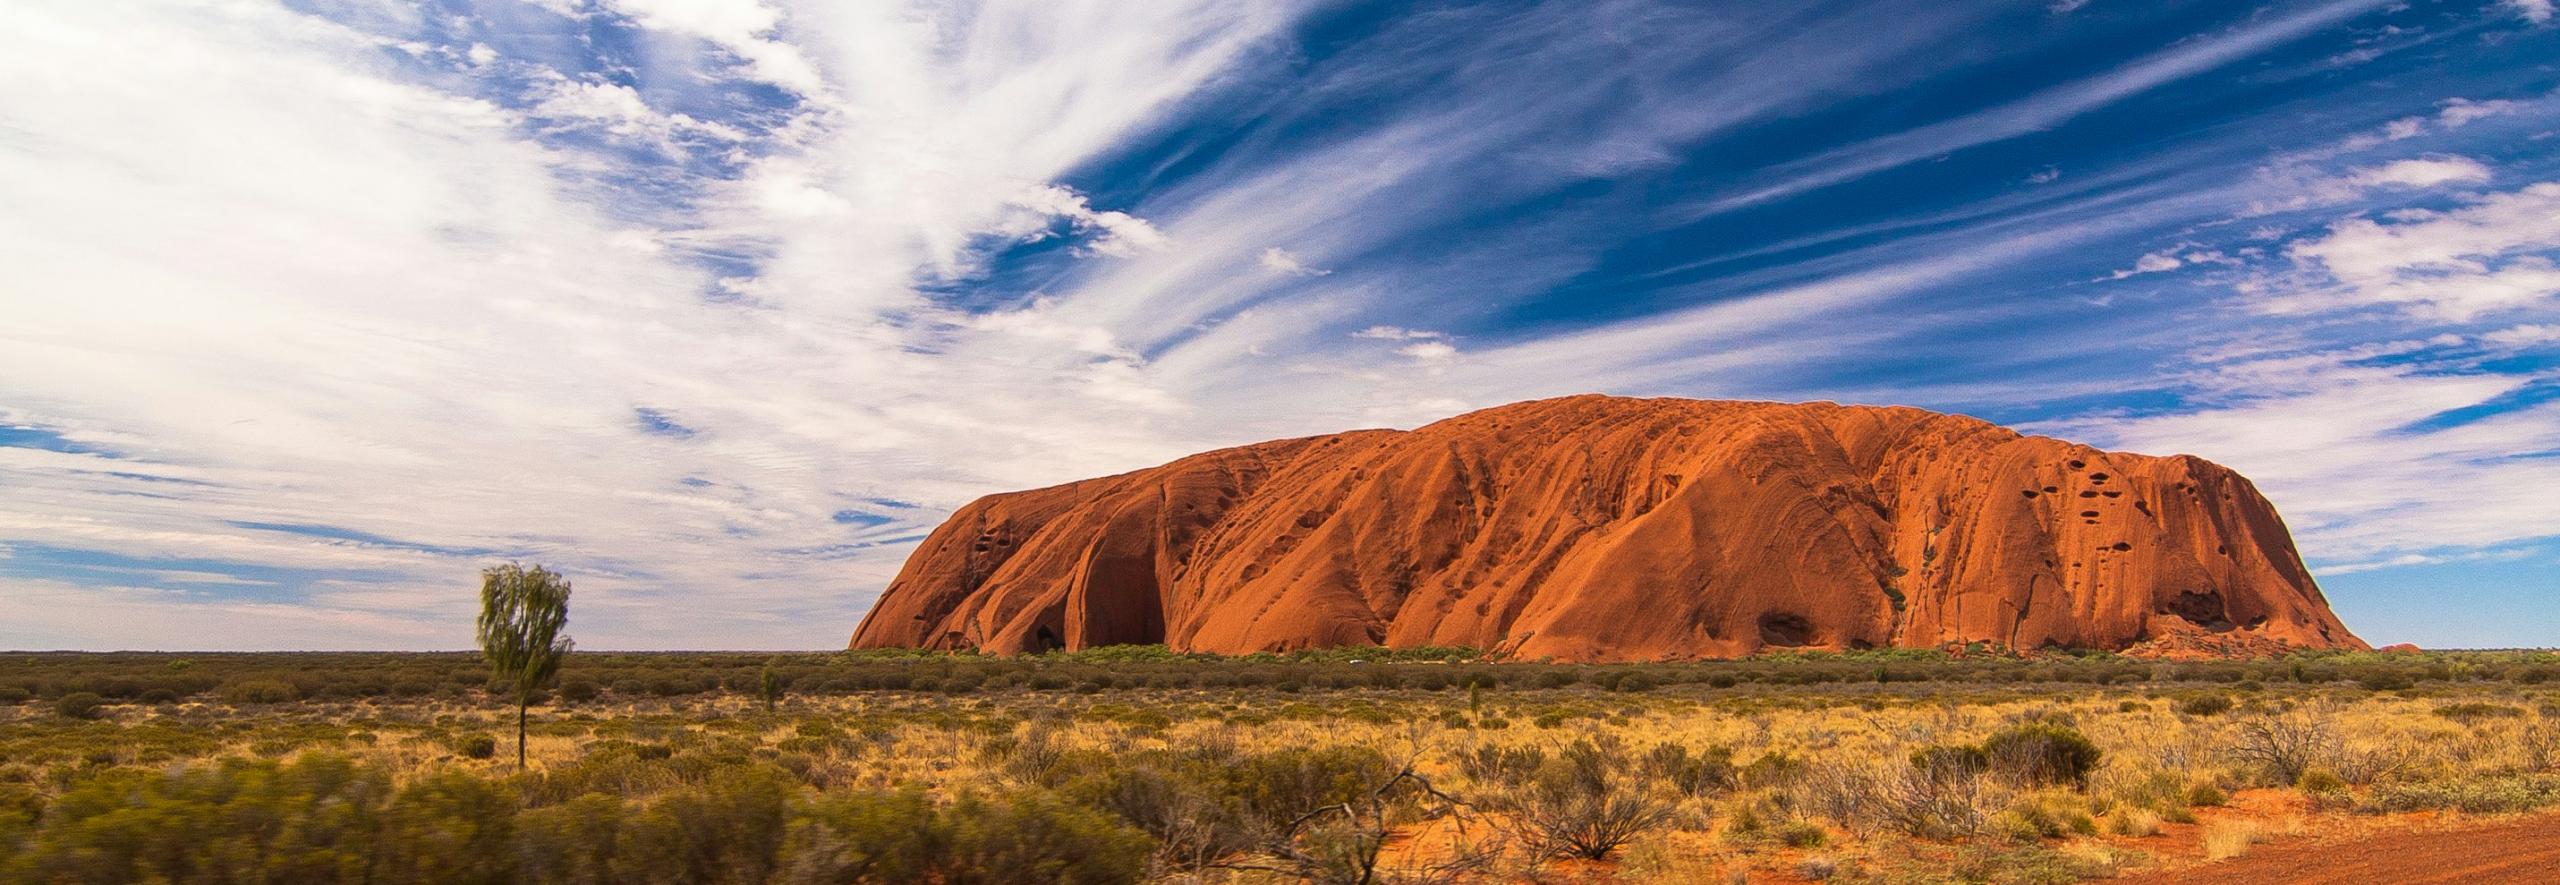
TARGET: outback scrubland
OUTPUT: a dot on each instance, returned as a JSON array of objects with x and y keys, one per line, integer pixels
[{"x": 1139, "y": 765}]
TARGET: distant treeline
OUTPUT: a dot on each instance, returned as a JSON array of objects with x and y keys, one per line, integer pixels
[{"x": 252, "y": 678}]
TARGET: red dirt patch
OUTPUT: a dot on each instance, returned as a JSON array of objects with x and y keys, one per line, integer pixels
[{"x": 2515, "y": 850}]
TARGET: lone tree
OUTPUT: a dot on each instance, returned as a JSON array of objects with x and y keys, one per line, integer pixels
[
  {"x": 521, "y": 613},
  {"x": 769, "y": 686}
]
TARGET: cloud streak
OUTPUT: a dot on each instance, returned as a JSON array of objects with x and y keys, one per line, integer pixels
[{"x": 720, "y": 305}]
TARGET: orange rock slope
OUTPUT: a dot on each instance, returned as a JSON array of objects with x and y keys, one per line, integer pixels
[{"x": 1604, "y": 528}]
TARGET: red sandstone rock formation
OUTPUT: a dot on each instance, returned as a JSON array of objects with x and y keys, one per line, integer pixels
[{"x": 1603, "y": 528}]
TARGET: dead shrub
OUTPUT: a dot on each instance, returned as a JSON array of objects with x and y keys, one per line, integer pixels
[{"x": 1586, "y": 801}]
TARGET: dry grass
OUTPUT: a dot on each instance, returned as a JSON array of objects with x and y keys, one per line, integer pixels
[
  {"x": 1835, "y": 758},
  {"x": 2227, "y": 839}
]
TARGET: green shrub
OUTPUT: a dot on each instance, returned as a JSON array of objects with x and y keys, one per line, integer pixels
[
  {"x": 2205, "y": 705},
  {"x": 449, "y": 827},
  {"x": 729, "y": 829},
  {"x": 2031, "y": 864},
  {"x": 2476, "y": 795},
  {"x": 1803, "y": 834},
  {"x": 862, "y": 836},
  {"x": 210, "y": 823},
  {"x": 1492, "y": 764},
  {"x": 11, "y": 696},
  {"x": 1945, "y": 762},
  {"x": 2474, "y": 712},
  {"x": 2385, "y": 681},
  {"x": 2206, "y": 796},
  {"x": 573, "y": 842},
  {"x": 2320, "y": 780},
  {"x": 1282, "y": 785},
  {"x": 79, "y": 705},
  {"x": 1775, "y": 769},
  {"x": 867, "y": 837},
  {"x": 258, "y": 691},
  {"x": 477, "y": 746},
  {"x": 1177, "y": 802},
  {"x": 2042, "y": 753},
  {"x": 2044, "y": 817},
  {"x": 1037, "y": 839},
  {"x": 1693, "y": 774},
  {"x": 1586, "y": 801}
]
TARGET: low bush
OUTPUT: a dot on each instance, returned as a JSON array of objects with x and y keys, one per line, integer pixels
[
  {"x": 1947, "y": 762},
  {"x": 1587, "y": 800},
  {"x": 2475, "y": 712},
  {"x": 2284, "y": 745},
  {"x": 2029, "y": 864},
  {"x": 1693, "y": 774},
  {"x": 1802, "y": 834},
  {"x": 2042, "y": 753},
  {"x": 1775, "y": 769},
  {"x": 323, "y": 818},
  {"x": 258, "y": 691},
  {"x": 2477, "y": 795},
  {"x": 2045, "y": 817},
  {"x": 79, "y": 705},
  {"x": 2136, "y": 822},
  {"x": 2205, "y": 705},
  {"x": 477, "y": 746},
  {"x": 1035, "y": 839}
]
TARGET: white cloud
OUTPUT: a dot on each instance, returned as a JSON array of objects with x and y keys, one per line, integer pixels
[
  {"x": 1122, "y": 234},
  {"x": 2296, "y": 183},
  {"x": 301, "y": 281},
  {"x": 2046, "y": 175},
  {"x": 2488, "y": 256},
  {"x": 2528, "y": 335},
  {"x": 299, "y": 289},
  {"x": 2173, "y": 258},
  {"x": 2155, "y": 262},
  {"x": 2355, "y": 454},
  {"x": 2401, "y": 561},
  {"x": 618, "y": 110},
  {"x": 1287, "y": 263},
  {"x": 2459, "y": 112},
  {"x": 744, "y": 28},
  {"x": 1395, "y": 333},
  {"x": 1429, "y": 351},
  {"x": 2420, "y": 172},
  {"x": 2047, "y": 108},
  {"x": 2535, "y": 11},
  {"x": 2065, "y": 7}
]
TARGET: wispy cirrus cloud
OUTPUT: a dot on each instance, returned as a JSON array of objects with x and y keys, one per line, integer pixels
[{"x": 719, "y": 305}]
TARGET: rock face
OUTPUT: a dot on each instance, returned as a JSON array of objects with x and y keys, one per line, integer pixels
[{"x": 1604, "y": 528}]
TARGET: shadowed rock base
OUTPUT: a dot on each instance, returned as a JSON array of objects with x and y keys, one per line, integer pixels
[{"x": 1606, "y": 528}]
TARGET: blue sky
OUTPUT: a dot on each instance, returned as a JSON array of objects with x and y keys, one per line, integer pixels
[{"x": 309, "y": 309}]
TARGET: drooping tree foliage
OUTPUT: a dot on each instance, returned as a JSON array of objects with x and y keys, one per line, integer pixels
[{"x": 522, "y": 612}]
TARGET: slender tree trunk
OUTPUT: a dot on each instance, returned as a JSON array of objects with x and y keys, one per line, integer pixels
[{"x": 521, "y": 703}]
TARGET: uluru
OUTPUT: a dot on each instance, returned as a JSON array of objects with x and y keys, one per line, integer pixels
[{"x": 1593, "y": 528}]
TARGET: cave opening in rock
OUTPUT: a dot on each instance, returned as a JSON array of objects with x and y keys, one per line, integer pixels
[
  {"x": 1786, "y": 629},
  {"x": 2203, "y": 608}
]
